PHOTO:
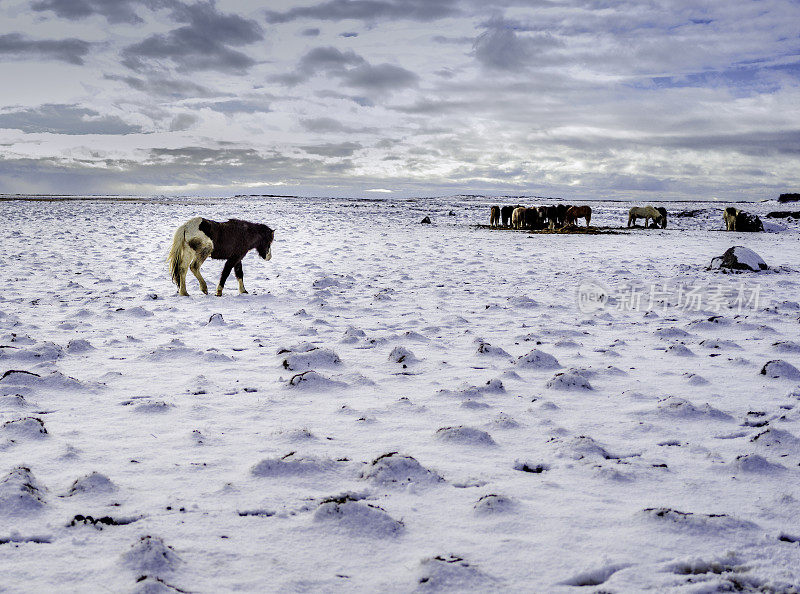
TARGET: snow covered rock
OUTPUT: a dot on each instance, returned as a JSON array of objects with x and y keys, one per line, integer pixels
[
  {"x": 778, "y": 368},
  {"x": 314, "y": 358},
  {"x": 676, "y": 407},
  {"x": 358, "y": 517},
  {"x": 537, "y": 359},
  {"x": 23, "y": 429},
  {"x": 313, "y": 381},
  {"x": 401, "y": 354},
  {"x": 739, "y": 258},
  {"x": 395, "y": 469},
  {"x": 571, "y": 379},
  {"x": 755, "y": 463},
  {"x": 493, "y": 504},
  {"x": 92, "y": 483},
  {"x": 465, "y": 435},
  {"x": 484, "y": 348},
  {"x": 20, "y": 493},
  {"x": 149, "y": 555},
  {"x": 452, "y": 573}
]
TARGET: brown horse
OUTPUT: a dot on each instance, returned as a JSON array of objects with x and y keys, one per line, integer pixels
[
  {"x": 494, "y": 216},
  {"x": 578, "y": 212},
  {"x": 199, "y": 238}
]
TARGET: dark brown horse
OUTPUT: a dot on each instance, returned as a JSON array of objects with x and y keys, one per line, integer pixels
[
  {"x": 505, "y": 214},
  {"x": 199, "y": 238}
]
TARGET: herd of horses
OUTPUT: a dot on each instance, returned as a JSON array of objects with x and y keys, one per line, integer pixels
[
  {"x": 539, "y": 217},
  {"x": 560, "y": 216}
]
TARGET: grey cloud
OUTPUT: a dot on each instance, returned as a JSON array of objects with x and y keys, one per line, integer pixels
[
  {"x": 501, "y": 47},
  {"x": 115, "y": 11},
  {"x": 204, "y": 43},
  {"x": 183, "y": 121},
  {"x": 164, "y": 86},
  {"x": 340, "y": 149},
  {"x": 370, "y": 10},
  {"x": 69, "y": 50},
  {"x": 310, "y": 32},
  {"x": 382, "y": 77},
  {"x": 331, "y": 126},
  {"x": 65, "y": 119},
  {"x": 348, "y": 34},
  {"x": 352, "y": 69}
]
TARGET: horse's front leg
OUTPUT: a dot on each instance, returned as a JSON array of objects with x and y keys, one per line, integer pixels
[
  {"x": 226, "y": 270},
  {"x": 240, "y": 277}
]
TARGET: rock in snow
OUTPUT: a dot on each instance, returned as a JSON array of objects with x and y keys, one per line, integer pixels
[{"x": 739, "y": 258}]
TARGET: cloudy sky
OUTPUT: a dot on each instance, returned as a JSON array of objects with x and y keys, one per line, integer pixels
[{"x": 576, "y": 98}]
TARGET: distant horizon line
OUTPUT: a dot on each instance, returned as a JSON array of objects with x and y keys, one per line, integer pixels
[{"x": 150, "y": 197}]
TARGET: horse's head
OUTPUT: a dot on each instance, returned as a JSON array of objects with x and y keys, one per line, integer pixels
[{"x": 264, "y": 243}]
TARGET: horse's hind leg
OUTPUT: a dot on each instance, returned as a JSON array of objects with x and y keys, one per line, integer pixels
[
  {"x": 195, "y": 268},
  {"x": 202, "y": 250},
  {"x": 237, "y": 269}
]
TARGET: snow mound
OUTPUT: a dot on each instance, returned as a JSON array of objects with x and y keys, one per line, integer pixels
[
  {"x": 484, "y": 348},
  {"x": 503, "y": 421},
  {"x": 780, "y": 369},
  {"x": 680, "y": 350},
  {"x": 291, "y": 465},
  {"x": 394, "y": 469},
  {"x": 92, "y": 483},
  {"x": 537, "y": 359},
  {"x": 671, "y": 332},
  {"x": 176, "y": 350},
  {"x": 452, "y": 573},
  {"x": 401, "y": 354},
  {"x": 739, "y": 258},
  {"x": 25, "y": 428},
  {"x": 313, "y": 381},
  {"x": 464, "y": 435},
  {"x": 20, "y": 493},
  {"x": 353, "y": 335},
  {"x": 79, "y": 345},
  {"x": 52, "y": 381},
  {"x": 14, "y": 401},
  {"x": 43, "y": 352},
  {"x": 522, "y": 302},
  {"x": 581, "y": 447},
  {"x": 149, "y": 555},
  {"x": 492, "y": 386},
  {"x": 571, "y": 379},
  {"x": 493, "y": 504},
  {"x": 786, "y": 346},
  {"x": 358, "y": 517},
  {"x": 683, "y": 409},
  {"x": 777, "y": 440},
  {"x": 153, "y": 407},
  {"x": 324, "y": 358},
  {"x": 755, "y": 463}
]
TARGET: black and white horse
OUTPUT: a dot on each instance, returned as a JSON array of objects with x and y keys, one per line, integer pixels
[{"x": 199, "y": 238}]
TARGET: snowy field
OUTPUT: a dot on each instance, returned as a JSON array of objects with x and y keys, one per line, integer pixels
[{"x": 395, "y": 407}]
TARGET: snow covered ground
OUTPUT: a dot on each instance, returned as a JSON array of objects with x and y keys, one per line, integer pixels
[{"x": 395, "y": 406}]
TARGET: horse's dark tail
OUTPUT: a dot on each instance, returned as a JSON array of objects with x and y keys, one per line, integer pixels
[{"x": 175, "y": 257}]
